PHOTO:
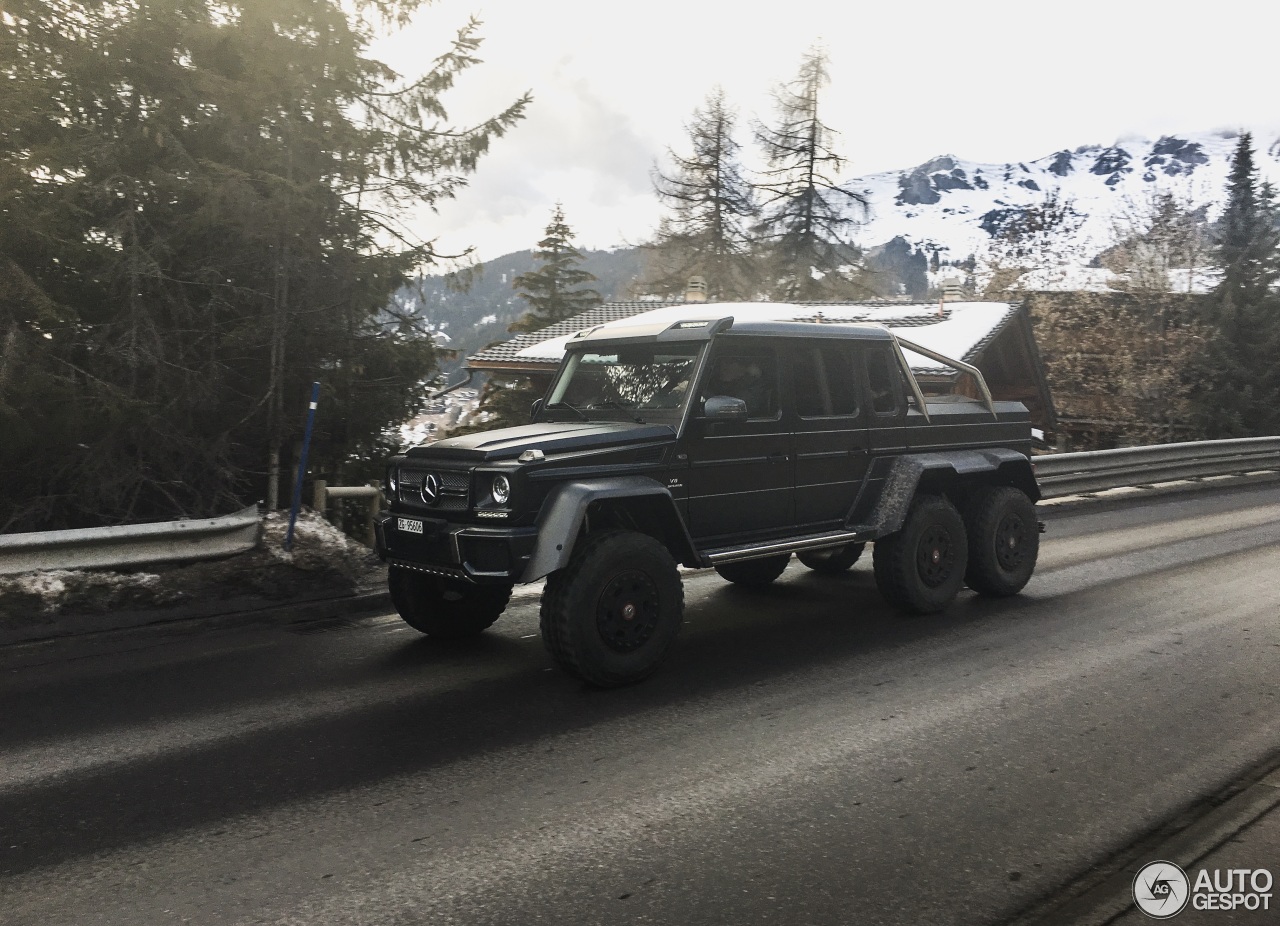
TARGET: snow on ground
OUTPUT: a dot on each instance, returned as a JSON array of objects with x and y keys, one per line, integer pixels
[
  {"x": 324, "y": 562},
  {"x": 451, "y": 410}
]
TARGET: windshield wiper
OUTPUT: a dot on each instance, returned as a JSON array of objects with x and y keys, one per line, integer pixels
[
  {"x": 614, "y": 403},
  {"x": 573, "y": 408}
]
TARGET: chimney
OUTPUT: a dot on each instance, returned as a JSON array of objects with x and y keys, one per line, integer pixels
[
  {"x": 952, "y": 290},
  {"x": 696, "y": 291}
]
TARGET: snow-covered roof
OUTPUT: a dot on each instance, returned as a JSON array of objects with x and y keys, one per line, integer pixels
[{"x": 962, "y": 330}]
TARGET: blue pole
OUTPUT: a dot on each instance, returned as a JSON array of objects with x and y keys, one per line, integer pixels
[{"x": 302, "y": 467}]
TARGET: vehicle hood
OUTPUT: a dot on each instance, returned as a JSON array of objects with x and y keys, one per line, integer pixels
[{"x": 551, "y": 437}]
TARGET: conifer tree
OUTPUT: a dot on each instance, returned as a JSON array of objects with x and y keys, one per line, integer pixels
[
  {"x": 709, "y": 203},
  {"x": 553, "y": 289},
  {"x": 1246, "y": 241},
  {"x": 201, "y": 210},
  {"x": 1238, "y": 383},
  {"x": 807, "y": 213}
]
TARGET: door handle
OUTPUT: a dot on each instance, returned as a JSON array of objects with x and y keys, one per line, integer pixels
[{"x": 779, "y": 457}]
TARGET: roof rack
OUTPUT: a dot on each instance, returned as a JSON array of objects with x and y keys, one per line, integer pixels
[
  {"x": 949, "y": 361},
  {"x": 900, "y": 342}
]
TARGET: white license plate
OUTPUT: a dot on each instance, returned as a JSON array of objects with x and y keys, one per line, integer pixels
[{"x": 409, "y": 525}]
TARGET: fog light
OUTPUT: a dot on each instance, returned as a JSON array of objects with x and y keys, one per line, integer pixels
[{"x": 501, "y": 489}]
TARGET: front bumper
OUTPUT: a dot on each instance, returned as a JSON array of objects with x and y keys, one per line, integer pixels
[{"x": 482, "y": 555}]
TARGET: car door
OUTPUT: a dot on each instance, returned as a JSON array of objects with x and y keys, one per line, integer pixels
[
  {"x": 831, "y": 441},
  {"x": 739, "y": 478}
]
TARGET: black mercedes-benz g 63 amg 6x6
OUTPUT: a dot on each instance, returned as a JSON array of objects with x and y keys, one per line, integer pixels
[{"x": 710, "y": 444}]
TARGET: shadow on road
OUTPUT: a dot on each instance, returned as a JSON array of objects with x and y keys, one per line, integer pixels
[{"x": 478, "y": 696}]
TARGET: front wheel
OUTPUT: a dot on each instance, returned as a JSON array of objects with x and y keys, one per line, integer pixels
[
  {"x": 443, "y": 609},
  {"x": 1004, "y": 541},
  {"x": 921, "y": 567},
  {"x": 610, "y": 616}
]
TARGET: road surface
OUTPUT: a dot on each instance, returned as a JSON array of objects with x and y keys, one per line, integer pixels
[{"x": 806, "y": 756}]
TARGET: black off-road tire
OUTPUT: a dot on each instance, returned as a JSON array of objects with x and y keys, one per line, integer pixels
[
  {"x": 611, "y": 614},
  {"x": 442, "y": 609},
  {"x": 832, "y": 560},
  {"x": 921, "y": 567},
  {"x": 755, "y": 572},
  {"x": 1004, "y": 541}
]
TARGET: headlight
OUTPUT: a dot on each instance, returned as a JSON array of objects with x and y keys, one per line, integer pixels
[
  {"x": 501, "y": 489},
  {"x": 393, "y": 481}
]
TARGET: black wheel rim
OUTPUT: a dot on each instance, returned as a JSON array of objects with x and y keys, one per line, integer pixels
[
  {"x": 627, "y": 611},
  {"x": 935, "y": 556},
  {"x": 1011, "y": 543}
]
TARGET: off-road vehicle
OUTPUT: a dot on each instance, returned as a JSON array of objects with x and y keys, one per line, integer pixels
[{"x": 710, "y": 443}]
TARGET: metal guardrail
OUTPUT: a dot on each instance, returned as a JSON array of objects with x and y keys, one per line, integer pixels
[
  {"x": 1063, "y": 474},
  {"x": 131, "y": 545},
  {"x": 323, "y": 493}
]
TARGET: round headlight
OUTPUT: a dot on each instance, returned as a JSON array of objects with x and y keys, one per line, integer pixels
[{"x": 501, "y": 489}]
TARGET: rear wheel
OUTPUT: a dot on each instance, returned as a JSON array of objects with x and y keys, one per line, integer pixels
[
  {"x": 610, "y": 616},
  {"x": 443, "y": 609},
  {"x": 1004, "y": 541},
  {"x": 921, "y": 567},
  {"x": 833, "y": 559},
  {"x": 755, "y": 572}
]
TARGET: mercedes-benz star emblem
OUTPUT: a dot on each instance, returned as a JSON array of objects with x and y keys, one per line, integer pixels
[{"x": 431, "y": 489}]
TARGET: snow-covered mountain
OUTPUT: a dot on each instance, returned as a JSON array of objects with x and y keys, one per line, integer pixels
[
  {"x": 954, "y": 206},
  {"x": 947, "y": 205}
]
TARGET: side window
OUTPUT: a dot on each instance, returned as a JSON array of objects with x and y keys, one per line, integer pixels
[
  {"x": 810, "y": 383},
  {"x": 883, "y": 379},
  {"x": 747, "y": 373},
  {"x": 840, "y": 365},
  {"x": 824, "y": 381}
]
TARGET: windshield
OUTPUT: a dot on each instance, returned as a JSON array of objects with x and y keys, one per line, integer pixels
[{"x": 642, "y": 383}]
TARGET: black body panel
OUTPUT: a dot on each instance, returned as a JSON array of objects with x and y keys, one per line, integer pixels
[{"x": 833, "y": 449}]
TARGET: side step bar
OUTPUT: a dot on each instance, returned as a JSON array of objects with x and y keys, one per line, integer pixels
[{"x": 793, "y": 545}]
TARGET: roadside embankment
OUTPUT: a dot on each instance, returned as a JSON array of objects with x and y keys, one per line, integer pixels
[{"x": 325, "y": 565}]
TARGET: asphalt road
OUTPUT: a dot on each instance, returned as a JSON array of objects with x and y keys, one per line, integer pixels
[{"x": 806, "y": 755}]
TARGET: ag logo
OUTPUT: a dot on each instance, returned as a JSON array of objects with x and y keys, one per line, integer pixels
[{"x": 1161, "y": 890}]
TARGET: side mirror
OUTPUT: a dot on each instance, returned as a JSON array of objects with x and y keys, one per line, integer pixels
[
  {"x": 534, "y": 409},
  {"x": 724, "y": 408}
]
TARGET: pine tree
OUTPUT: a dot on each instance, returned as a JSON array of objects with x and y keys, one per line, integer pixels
[
  {"x": 550, "y": 289},
  {"x": 807, "y": 214},
  {"x": 553, "y": 295},
  {"x": 201, "y": 210},
  {"x": 1239, "y": 386},
  {"x": 708, "y": 202},
  {"x": 1246, "y": 240}
]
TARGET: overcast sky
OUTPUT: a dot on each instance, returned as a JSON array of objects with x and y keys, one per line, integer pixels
[{"x": 614, "y": 81}]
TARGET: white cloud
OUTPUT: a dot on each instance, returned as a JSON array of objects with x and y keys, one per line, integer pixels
[{"x": 613, "y": 84}]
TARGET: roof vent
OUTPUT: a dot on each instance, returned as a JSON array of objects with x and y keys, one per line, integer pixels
[{"x": 696, "y": 291}]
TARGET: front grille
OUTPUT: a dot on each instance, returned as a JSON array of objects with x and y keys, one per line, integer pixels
[{"x": 452, "y": 495}]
